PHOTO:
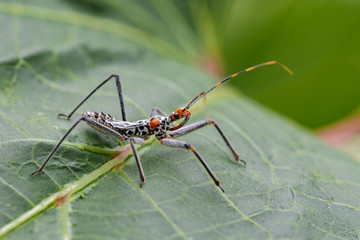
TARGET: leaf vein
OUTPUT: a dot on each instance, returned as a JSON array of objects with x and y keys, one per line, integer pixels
[
  {"x": 17, "y": 191},
  {"x": 156, "y": 206}
]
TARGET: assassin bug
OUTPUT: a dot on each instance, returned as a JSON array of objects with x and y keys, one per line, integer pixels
[{"x": 157, "y": 125}]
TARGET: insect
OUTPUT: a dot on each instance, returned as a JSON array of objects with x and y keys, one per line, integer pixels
[{"x": 159, "y": 124}]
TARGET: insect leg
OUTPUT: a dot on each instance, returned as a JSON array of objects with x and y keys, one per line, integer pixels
[
  {"x": 141, "y": 171},
  {"x": 88, "y": 120},
  {"x": 118, "y": 86},
  {"x": 187, "y": 129},
  {"x": 157, "y": 110},
  {"x": 179, "y": 144}
]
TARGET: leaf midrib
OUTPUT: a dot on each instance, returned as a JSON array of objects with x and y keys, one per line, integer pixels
[{"x": 69, "y": 189}]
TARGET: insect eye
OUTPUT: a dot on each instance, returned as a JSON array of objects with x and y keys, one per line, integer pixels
[{"x": 176, "y": 115}]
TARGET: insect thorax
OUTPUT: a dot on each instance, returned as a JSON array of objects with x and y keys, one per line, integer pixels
[
  {"x": 144, "y": 128},
  {"x": 162, "y": 128}
]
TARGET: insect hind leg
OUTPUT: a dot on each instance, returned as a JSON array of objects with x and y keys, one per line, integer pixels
[
  {"x": 89, "y": 121},
  {"x": 118, "y": 86}
]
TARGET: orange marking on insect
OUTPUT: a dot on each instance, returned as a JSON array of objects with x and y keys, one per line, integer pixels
[
  {"x": 177, "y": 111},
  {"x": 218, "y": 84},
  {"x": 249, "y": 69},
  {"x": 154, "y": 123},
  {"x": 192, "y": 149},
  {"x": 122, "y": 139},
  {"x": 234, "y": 75},
  {"x": 186, "y": 113}
]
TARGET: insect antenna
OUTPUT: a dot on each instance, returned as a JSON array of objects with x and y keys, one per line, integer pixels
[{"x": 234, "y": 75}]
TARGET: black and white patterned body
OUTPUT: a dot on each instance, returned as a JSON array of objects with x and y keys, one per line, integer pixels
[{"x": 157, "y": 125}]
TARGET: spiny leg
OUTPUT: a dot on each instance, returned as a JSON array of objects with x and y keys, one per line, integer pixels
[
  {"x": 118, "y": 85},
  {"x": 141, "y": 171},
  {"x": 179, "y": 144},
  {"x": 192, "y": 127},
  {"x": 88, "y": 120}
]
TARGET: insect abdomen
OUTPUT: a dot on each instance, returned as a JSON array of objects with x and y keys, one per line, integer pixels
[{"x": 101, "y": 118}]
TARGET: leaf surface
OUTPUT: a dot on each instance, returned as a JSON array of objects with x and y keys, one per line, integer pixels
[{"x": 292, "y": 187}]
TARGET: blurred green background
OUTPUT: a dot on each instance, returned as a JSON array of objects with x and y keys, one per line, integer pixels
[{"x": 318, "y": 40}]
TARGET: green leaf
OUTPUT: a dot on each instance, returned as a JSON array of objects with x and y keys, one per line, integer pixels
[{"x": 292, "y": 187}]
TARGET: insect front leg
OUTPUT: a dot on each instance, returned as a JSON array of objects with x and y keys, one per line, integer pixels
[
  {"x": 88, "y": 120},
  {"x": 156, "y": 111},
  {"x": 118, "y": 86},
  {"x": 139, "y": 141},
  {"x": 179, "y": 144},
  {"x": 188, "y": 129}
]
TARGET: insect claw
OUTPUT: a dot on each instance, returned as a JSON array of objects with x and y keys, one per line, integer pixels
[
  {"x": 238, "y": 159},
  {"x": 243, "y": 161},
  {"x": 36, "y": 172},
  {"x": 63, "y": 115}
]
